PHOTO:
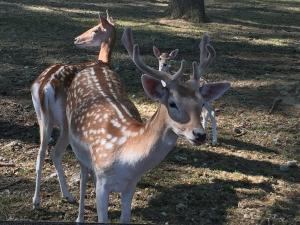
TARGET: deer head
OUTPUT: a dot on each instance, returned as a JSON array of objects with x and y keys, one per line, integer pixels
[
  {"x": 183, "y": 100},
  {"x": 97, "y": 34},
  {"x": 164, "y": 58}
]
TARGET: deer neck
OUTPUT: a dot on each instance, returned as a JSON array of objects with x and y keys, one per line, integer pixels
[
  {"x": 106, "y": 50},
  {"x": 148, "y": 149},
  {"x": 157, "y": 127}
]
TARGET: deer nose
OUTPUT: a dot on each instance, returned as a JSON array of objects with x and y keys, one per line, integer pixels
[
  {"x": 201, "y": 137},
  {"x": 76, "y": 40}
]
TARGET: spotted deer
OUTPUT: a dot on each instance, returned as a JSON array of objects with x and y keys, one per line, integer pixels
[
  {"x": 112, "y": 144},
  {"x": 49, "y": 99},
  {"x": 164, "y": 64},
  {"x": 164, "y": 58}
]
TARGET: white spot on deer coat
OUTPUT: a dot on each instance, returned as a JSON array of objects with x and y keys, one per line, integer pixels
[
  {"x": 122, "y": 140},
  {"x": 108, "y": 145}
]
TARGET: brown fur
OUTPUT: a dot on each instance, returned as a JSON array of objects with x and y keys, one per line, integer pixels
[{"x": 43, "y": 79}]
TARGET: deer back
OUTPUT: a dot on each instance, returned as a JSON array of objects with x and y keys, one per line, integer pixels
[{"x": 98, "y": 112}]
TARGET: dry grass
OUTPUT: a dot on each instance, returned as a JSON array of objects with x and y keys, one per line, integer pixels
[{"x": 237, "y": 182}]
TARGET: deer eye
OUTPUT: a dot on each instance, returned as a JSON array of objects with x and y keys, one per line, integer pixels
[{"x": 173, "y": 105}]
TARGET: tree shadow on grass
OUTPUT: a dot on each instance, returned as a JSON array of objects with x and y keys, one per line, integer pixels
[
  {"x": 50, "y": 36},
  {"x": 229, "y": 142},
  {"x": 284, "y": 212},
  {"x": 192, "y": 204},
  {"x": 17, "y": 204},
  {"x": 28, "y": 134},
  {"x": 257, "y": 14},
  {"x": 129, "y": 9},
  {"x": 231, "y": 163}
]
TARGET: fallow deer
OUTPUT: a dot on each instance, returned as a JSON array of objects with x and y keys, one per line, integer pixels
[
  {"x": 164, "y": 64},
  {"x": 49, "y": 99},
  {"x": 118, "y": 149},
  {"x": 164, "y": 58}
]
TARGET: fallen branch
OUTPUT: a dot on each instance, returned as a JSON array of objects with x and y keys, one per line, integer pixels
[
  {"x": 9, "y": 164},
  {"x": 240, "y": 134},
  {"x": 239, "y": 131}
]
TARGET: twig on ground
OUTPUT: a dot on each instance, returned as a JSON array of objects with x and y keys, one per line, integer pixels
[
  {"x": 9, "y": 164},
  {"x": 241, "y": 134}
]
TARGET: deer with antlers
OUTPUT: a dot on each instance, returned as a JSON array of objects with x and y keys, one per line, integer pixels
[
  {"x": 164, "y": 64},
  {"x": 208, "y": 109},
  {"x": 49, "y": 99},
  {"x": 117, "y": 148}
]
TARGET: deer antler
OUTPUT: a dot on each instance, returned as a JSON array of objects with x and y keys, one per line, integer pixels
[
  {"x": 127, "y": 41},
  {"x": 207, "y": 56},
  {"x": 134, "y": 52},
  {"x": 109, "y": 18}
]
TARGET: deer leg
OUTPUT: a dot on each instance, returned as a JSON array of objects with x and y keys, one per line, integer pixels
[
  {"x": 57, "y": 155},
  {"x": 45, "y": 131},
  {"x": 212, "y": 116},
  {"x": 93, "y": 175},
  {"x": 101, "y": 201},
  {"x": 83, "y": 183},
  {"x": 205, "y": 116},
  {"x": 126, "y": 198},
  {"x": 214, "y": 127}
]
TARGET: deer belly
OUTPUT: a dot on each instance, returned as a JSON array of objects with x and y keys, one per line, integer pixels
[
  {"x": 58, "y": 111},
  {"x": 54, "y": 105},
  {"x": 81, "y": 151}
]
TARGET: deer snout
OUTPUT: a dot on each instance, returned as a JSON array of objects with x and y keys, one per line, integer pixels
[
  {"x": 76, "y": 40},
  {"x": 199, "y": 136},
  {"x": 79, "y": 40}
]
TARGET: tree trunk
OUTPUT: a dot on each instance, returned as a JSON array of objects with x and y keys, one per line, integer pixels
[{"x": 193, "y": 10}]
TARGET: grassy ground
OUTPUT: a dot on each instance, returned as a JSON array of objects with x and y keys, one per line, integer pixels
[{"x": 241, "y": 181}]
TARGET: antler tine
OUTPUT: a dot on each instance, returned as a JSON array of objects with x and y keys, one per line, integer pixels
[
  {"x": 134, "y": 53},
  {"x": 196, "y": 72},
  {"x": 179, "y": 72},
  {"x": 207, "y": 55},
  {"x": 99, "y": 15},
  {"x": 109, "y": 18},
  {"x": 127, "y": 41},
  {"x": 107, "y": 15}
]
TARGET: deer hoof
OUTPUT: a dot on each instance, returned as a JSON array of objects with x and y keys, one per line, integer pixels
[
  {"x": 70, "y": 199},
  {"x": 36, "y": 205},
  {"x": 214, "y": 143}
]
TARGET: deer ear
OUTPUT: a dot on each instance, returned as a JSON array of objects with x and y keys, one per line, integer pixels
[
  {"x": 213, "y": 91},
  {"x": 173, "y": 54},
  {"x": 103, "y": 21},
  {"x": 156, "y": 52},
  {"x": 153, "y": 87}
]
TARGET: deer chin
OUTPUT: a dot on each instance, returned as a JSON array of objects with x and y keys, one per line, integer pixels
[
  {"x": 84, "y": 45},
  {"x": 196, "y": 142}
]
